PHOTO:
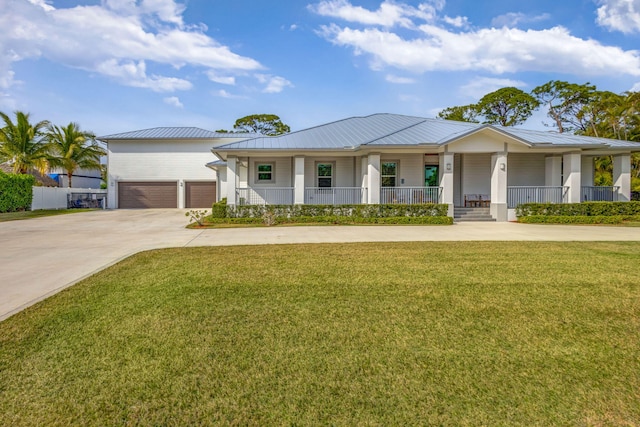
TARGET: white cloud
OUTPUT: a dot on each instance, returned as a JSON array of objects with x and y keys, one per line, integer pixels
[
  {"x": 512, "y": 19},
  {"x": 389, "y": 14},
  {"x": 120, "y": 39},
  {"x": 224, "y": 94},
  {"x": 173, "y": 100},
  {"x": 493, "y": 50},
  {"x": 635, "y": 88},
  {"x": 274, "y": 84},
  {"x": 399, "y": 80},
  {"x": 458, "y": 21},
  {"x": 481, "y": 86},
  {"x": 619, "y": 15},
  {"x": 225, "y": 80}
]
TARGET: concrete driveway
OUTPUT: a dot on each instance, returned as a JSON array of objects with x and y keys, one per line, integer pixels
[{"x": 39, "y": 257}]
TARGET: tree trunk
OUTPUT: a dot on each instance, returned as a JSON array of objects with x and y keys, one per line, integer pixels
[{"x": 69, "y": 176}]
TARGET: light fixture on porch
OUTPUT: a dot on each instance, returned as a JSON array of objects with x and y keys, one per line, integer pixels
[
  {"x": 502, "y": 166},
  {"x": 448, "y": 166}
]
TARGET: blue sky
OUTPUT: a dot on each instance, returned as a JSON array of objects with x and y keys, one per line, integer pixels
[{"x": 121, "y": 65}]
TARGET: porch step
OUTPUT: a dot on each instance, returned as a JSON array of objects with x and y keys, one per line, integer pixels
[{"x": 472, "y": 214}]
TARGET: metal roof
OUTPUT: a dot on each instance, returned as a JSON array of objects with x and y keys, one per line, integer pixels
[
  {"x": 173, "y": 133},
  {"x": 398, "y": 130}
]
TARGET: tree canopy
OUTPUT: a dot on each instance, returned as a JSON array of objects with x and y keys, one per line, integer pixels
[
  {"x": 508, "y": 106},
  {"x": 22, "y": 143},
  {"x": 264, "y": 124}
]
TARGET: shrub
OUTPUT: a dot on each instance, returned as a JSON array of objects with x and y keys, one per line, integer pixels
[
  {"x": 351, "y": 211},
  {"x": 16, "y": 192},
  {"x": 339, "y": 220},
  {"x": 586, "y": 209},
  {"x": 219, "y": 209},
  {"x": 578, "y": 219}
]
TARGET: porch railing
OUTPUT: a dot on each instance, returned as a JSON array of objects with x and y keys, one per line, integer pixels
[
  {"x": 335, "y": 195},
  {"x": 519, "y": 195},
  {"x": 410, "y": 195},
  {"x": 599, "y": 194},
  {"x": 265, "y": 196}
]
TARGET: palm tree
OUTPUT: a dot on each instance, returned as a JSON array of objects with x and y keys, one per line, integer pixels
[
  {"x": 71, "y": 149},
  {"x": 22, "y": 144}
]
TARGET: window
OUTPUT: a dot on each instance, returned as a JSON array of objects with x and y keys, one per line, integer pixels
[
  {"x": 325, "y": 175},
  {"x": 389, "y": 174},
  {"x": 264, "y": 172}
]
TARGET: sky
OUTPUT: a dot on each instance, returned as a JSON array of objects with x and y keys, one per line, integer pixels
[{"x": 121, "y": 65}]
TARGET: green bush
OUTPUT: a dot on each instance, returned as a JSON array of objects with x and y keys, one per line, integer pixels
[
  {"x": 16, "y": 192},
  {"x": 578, "y": 219},
  {"x": 350, "y": 211},
  {"x": 219, "y": 209},
  {"x": 333, "y": 219},
  {"x": 586, "y": 209}
]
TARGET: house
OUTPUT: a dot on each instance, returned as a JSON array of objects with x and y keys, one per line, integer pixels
[
  {"x": 163, "y": 167},
  {"x": 390, "y": 158}
]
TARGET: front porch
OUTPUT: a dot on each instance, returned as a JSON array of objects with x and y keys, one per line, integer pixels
[{"x": 498, "y": 181}]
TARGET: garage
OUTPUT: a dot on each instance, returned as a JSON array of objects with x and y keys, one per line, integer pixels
[
  {"x": 137, "y": 195},
  {"x": 199, "y": 194}
]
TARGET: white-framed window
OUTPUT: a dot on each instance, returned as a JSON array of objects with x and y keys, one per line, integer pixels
[
  {"x": 389, "y": 174},
  {"x": 324, "y": 174},
  {"x": 265, "y": 173}
]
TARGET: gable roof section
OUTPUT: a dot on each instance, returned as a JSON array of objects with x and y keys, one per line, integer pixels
[
  {"x": 172, "y": 133},
  {"x": 397, "y": 130}
]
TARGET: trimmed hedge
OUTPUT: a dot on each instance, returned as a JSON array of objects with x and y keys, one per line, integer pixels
[
  {"x": 349, "y": 211},
  {"x": 578, "y": 219},
  {"x": 338, "y": 220},
  {"x": 16, "y": 192},
  {"x": 586, "y": 209}
]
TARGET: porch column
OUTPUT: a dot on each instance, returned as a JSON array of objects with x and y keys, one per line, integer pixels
[
  {"x": 364, "y": 178},
  {"x": 298, "y": 184},
  {"x": 553, "y": 171},
  {"x": 373, "y": 178},
  {"x": 587, "y": 171},
  {"x": 498, "y": 207},
  {"x": 571, "y": 167},
  {"x": 232, "y": 179},
  {"x": 622, "y": 176},
  {"x": 446, "y": 180}
]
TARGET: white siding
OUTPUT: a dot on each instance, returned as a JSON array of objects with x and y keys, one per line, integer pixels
[
  {"x": 525, "y": 169},
  {"x": 476, "y": 174},
  {"x": 410, "y": 168},
  {"x": 158, "y": 161},
  {"x": 283, "y": 171},
  {"x": 344, "y": 174}
]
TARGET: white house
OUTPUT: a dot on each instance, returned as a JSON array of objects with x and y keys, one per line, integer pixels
[
  {"x": 163, "y": 167},
  {"x": 388, "y": 158}
]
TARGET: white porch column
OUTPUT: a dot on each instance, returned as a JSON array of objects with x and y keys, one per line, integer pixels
[
  {"x": 364, "y": 178},
  {"x": 571, "y": 166},
  {"x": 232, "y": 179},
  {"x": 446, "y": 180},
  {"x": 587, "y": 171},
  {"x": 298, "y": 184},
  {"x": 622, "y": 176},
  {"x": 498, "y": 207},
  {"x": 373, "y": 178},
  {"x": 181, "y": 191},
  {"x": 553, "y": 171}
]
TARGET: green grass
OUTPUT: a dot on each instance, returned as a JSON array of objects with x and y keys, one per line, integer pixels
[
  {"x": 467, "y": 333},
  {"x": 15, "y": 216}
]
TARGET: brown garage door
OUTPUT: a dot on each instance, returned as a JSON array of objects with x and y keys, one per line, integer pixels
[
  {"x": 136, "y": 195},
  {"x": 199, "y": 194}
]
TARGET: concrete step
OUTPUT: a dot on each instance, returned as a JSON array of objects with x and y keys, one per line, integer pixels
[{"x": 472, "y": 214}]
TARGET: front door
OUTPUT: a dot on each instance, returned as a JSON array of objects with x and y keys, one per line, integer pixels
[{"x": 431, "y": 176}]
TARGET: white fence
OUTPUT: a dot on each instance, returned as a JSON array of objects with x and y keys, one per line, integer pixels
[{"x": 66, "y": 198}]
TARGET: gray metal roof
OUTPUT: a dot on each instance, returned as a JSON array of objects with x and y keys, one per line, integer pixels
[
  {"x": 399, "y": 130},
  {"x": 173, "y": 133}
]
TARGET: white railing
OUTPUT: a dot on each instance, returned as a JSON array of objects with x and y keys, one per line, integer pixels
[
  {"x": 335, "y": 195},
  {"x": 519, "y": 195},
  {"x": 599, "y": 194},
  {"x": 265, "y": 196},
  {"x": 410, "y": 195}
]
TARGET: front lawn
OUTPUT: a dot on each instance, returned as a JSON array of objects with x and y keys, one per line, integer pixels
[
  {"x": 15, "y": 216},
  {"x": 429, "y": 333}
]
